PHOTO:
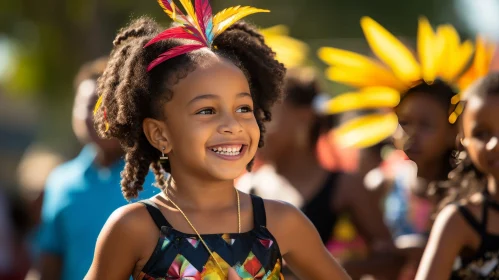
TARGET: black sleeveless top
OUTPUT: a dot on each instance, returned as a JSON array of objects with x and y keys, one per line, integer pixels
[
  {"x": 253, "y": 254},
  {"x": 319, "y": 209},
  {"x": 484, "y": 263}
]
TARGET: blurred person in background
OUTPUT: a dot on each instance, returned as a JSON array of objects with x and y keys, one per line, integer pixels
[
  {"x": 421, "y": 92},
  {"x": 81, "y": 194},
  {"x": 290, "y": 146},
  {"x": 464, "y": 240},
  {"x": 14, "y": 225},
  {"x": 32, "y": 187},
  {"x": 429, "y": 140}
]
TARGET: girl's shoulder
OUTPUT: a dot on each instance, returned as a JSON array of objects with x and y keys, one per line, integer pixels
[
  {"x": 458, "y": 220},
  {"x": 134, "y": 219},
  {"x": 286, "y": 223},
  {"x": 132, "y": 225}
]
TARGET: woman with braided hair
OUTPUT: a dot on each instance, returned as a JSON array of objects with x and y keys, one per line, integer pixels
[{"x": 192, "y": 101}]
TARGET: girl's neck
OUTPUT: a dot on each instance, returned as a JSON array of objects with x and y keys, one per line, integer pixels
[
  {"x": 431, "y": 173},
  {"x": 492, "y": 187},
  {"x": 198, "y": 194}
]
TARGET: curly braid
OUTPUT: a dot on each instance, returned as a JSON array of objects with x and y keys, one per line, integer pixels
[{"x": 131, "y": 94}]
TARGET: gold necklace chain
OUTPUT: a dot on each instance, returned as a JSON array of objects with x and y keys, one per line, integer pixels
[{"x": 199, "y": 235}]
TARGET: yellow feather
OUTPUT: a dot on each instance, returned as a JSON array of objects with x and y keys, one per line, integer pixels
[
  {"x": 448, "y": 38},
  {"x": 484, "y": 52},
  {"x": 172, "y": 14},
  {"x": 461, "y": 60},
  {"x": 357, "y": 70},
  {"x": 367, "y": 98},
  {"x": 358, "y": 78},
  {"x": 367, "y": 130},
  {"x": 189, "y": 8},
  {"x": 275, "y": 30},
  {"x": 174, "y": 10},
  {"x": 483, "y": 56},
  {"x": 289, "y": 51},
  {"x": 391, "y": 51},
  {"x": 457, "y": 112},
  {"x": 164, "y": 8},
  {"x": 98, "y": 104},
  {"x": 225, "y": 18},
  {"x": 428, "y": 50}
]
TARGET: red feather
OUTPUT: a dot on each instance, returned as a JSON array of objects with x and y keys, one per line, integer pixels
[
  {"x": 174, "y": 32},
  {"x": 203, "y": 13},
  {"x": 168, "y": 6},
  {"x": 176, "y": 51},
  {"x": 194, "y": 31}
]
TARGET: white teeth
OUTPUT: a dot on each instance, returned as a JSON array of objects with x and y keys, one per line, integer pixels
[{"x": 229, "y": 151}]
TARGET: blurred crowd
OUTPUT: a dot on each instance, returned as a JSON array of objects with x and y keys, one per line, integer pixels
[{"x": 373, "y": 207}]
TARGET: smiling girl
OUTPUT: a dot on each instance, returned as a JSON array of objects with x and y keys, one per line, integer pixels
[{"x": 194, "y": 105}]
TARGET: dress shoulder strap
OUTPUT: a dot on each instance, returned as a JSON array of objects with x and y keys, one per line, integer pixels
[
  {"x": 472, "y": 221},
  {"x": 259, "y": 216},
  {"x": 155, "y": 213}
]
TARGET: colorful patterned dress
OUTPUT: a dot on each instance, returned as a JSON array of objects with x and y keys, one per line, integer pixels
[{"x": 253, "y": 254}]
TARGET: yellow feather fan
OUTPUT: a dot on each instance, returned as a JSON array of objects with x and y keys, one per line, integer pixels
[
  {"x": 379, "y": 83},
  {"x": 289, "y": 51}
]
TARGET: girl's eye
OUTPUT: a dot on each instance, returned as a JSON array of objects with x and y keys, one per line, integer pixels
[
  {"x": 207, "y": 111},
  {"x": 244, "y": 109}
]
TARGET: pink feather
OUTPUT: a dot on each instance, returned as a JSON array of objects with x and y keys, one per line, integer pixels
[
  {"x": 175, "y": 32},
  {"x": 176, "y": 51},
  {"x": 203, "y": 13}
]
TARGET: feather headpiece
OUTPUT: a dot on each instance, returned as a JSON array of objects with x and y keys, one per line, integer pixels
[
  {"x": 197, "y": 25},
  {"x": 441, "y": 55},
  {"x": 482, "y": 62},
  {"x": 289, "y": 51}
]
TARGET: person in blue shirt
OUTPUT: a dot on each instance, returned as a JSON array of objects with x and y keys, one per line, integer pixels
[{"x": 81, "y": 194}]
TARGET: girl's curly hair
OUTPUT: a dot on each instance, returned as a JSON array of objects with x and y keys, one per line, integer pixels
[{"x": 131, "y": 94}]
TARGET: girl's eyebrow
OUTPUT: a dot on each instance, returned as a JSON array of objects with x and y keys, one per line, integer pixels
[{"x": 214, "y": 96}]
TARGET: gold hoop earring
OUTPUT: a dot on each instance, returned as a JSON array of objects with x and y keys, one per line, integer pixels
[{"x": 163, "y": 157}]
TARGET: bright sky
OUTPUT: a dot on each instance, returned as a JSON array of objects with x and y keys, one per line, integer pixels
[
  {"x": 5, "y": 56},
  {"x": 481, "y": 16}
]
